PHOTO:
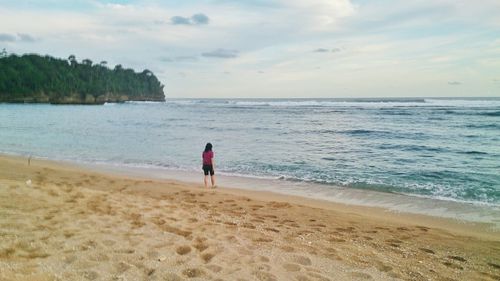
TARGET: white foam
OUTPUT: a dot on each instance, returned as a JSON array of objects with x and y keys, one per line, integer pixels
[
  {"x": 462, "y": 103},
  {"x": 369, "y": 103}
]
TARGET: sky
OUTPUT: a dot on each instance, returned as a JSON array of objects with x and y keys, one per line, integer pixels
[{"x": 274, "y": 48}]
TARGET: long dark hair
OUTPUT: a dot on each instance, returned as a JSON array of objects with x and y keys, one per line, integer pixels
[{"x": 208, "y": 147}]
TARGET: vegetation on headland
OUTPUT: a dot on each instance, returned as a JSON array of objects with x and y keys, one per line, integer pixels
[{"x": 32, "y": 78}]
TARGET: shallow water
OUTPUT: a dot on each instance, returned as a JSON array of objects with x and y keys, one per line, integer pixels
[{"x": 438, "y": 148}]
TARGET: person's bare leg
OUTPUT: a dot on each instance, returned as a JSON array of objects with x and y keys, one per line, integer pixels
[
  {"x": 212, "y": 178},
  {"x": 206, "y": 181}
]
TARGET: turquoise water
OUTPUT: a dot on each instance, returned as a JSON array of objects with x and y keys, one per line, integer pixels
[{"x": 438, "y": 148}]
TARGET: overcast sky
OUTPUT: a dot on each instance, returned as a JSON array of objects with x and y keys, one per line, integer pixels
[{"x": 274, "y": 48}]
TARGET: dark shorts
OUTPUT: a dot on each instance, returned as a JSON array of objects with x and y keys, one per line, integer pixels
[{"x": 208, "y": 168}]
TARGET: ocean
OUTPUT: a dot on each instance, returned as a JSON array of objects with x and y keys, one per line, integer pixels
[{"x": 446, "y": 149}]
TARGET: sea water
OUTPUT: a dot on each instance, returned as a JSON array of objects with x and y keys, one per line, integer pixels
[{"x": 447, "y": 149}]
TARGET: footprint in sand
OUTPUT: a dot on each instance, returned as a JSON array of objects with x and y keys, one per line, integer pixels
[
  {"x": 302, "y": 260},
  {"x": 152, "y": 254},
  {"x": 302, "y": 278},
  {"x": 291, "y": 267},
  {"x": 207, "y": 257},
  {"x": 263, "y": 239},
  {"x": 349, "y": 229},
  {"x": 382, "y": 267},
  {"x": 457, "y": 258},
  {"x": 121, "y": 267},
  {"x": 361, "y": 276},
  {"x": 429, "y": 251},
  {"x": 183, "y": 250},
  {"x": 318, "y": 276},
  {"x": 318, "y": 225},
  {"x": 158, "y": 221},
  {"x": 279, "y": 205},
  {"x": 231, "y": 238},
  {"x": 171, "y": 277},
  {"x": 200, "y": 246},
  {"x": 494, "y": 265},
  {"x": 214, "y": 268},
  {"x": 248, "y": 225},
  {"x": 99, "y": 257},
  {"x": 256, "y": 206},
  {"x": 90, "y": 275},
  {"x": 394, "y": 242},
  {"x": 452, "y": 265},
  {"x": 288, "y": 249},
  {"x": 245, "y": 252},
  {"x": 264, "y": 276},
  {"x": 423, "y": 228},
  {"x": 149, "y": 271},
  {"x": 193, "y": 272},
  {"x": 335, "y": 239},
  {"x": 125, "y": 251},
  {"x": 87, "y": 245},
  {"x": 230, "y": 223},
  {"x": 263, "y": 259},
  {"x": 70, "y": 259},
  {"x": 272, "y": 217},
  {"x": 272, "y": 229}
]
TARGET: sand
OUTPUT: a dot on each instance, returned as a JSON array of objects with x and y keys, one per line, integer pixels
[{"x": 62, "y": 222}]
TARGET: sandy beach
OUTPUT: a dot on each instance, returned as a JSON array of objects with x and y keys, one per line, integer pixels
[{"x": 63, "y": 222}]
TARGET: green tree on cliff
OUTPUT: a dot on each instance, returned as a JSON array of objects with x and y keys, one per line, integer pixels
[{"x": 34, "y": 78}]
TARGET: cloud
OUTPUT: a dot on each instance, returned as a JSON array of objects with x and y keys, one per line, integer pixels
[
  {"x": 178, "y": 20},
  {"x": 200, "y": 19},
  {"x": 4, "y": 37},
  {"x": 323, "y": 50},
  {"x": 196, "y": 19},
  {"x": 221, "y": 53},
  {"x": 320, "y": 50},
  {"x": 26, "y": 37},
  {"x": 7, "y": 37},
  {"x": 454, "y": 83}
]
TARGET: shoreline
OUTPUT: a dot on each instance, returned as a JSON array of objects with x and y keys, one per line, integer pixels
[
  {"x": 235, "y": 185},
  {"x": 64, "y": 222},
  {"x": 362, "y": 201},
  {"x": 459, "y": 211}
]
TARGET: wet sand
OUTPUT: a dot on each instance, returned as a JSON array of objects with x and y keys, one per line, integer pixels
[{"x": 62, "y": 222}]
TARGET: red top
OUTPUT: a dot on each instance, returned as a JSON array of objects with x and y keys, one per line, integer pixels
[{"x": 207, "y": 157}]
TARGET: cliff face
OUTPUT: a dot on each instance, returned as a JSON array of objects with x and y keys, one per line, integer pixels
[
  {"x": 36, "y": 79},
  {"x": 77, "y": 99},
  {"x": 90, "y": 99}
]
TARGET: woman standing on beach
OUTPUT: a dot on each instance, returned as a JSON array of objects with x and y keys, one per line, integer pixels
[{"x": 208, "y": 164}]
